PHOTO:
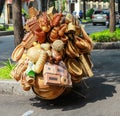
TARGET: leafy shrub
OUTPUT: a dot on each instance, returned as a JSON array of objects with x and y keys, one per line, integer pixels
[
  {"x": 90, "y": 12},
  {"x": 6, "y": 28},
  {"x": 6, "y": 69},
  {"x": 106, "y": 36},
  {"x": 25, "y": 13}
]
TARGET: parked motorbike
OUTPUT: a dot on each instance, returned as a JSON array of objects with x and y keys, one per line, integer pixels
[{"x": 107, "y": 24}]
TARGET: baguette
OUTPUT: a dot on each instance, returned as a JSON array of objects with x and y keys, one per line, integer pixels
[{"x": 41, "y": 61}]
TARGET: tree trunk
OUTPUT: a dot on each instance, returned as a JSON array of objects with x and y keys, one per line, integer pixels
[
  {"x": 112, "y": 16},
  {"x": 44, "y": 5},
  {"x": 84, "y": 9},
  {"x": 17, "y": 22},
  {"x": 2, "y": 2},
  {"x": 119, "y": 7}
]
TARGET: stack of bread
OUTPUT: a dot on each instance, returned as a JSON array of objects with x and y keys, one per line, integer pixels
[{"x": 53, "y": 55}]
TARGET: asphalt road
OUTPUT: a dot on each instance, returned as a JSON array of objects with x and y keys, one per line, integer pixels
[
  {"x": 6, "y": 47},
  {"x": 90, "y": 28},
  {"x": 102, "y": 94}
]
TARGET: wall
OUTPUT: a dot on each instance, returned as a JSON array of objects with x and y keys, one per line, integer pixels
[{"x": 95, "y": 5}]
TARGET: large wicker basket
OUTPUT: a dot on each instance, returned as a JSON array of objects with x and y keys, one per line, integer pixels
[{"x": 48, "y": 92}]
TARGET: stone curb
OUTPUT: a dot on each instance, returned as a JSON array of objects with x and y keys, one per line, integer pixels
[
  {"x": 107, "y": 45},
  {"x": 13, "y": 87},
  {"x": 5, "y": 33}
]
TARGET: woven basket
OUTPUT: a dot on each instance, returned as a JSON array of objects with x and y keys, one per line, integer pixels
[{"x": 47, "y": 92}]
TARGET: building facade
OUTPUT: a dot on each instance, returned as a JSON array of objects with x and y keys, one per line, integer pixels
[
  {"x": 77, "y": 5},
  {"x": 6, "y": 16}
]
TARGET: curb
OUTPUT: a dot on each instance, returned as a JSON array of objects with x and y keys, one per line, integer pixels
[
  {"x": 13, "y": 87},
  {"x": 5, "y": 33},
  {"x": 107, "y": 45}
]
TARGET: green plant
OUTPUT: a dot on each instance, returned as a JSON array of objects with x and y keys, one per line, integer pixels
[
  {"x": 63, "y": 5},
  {"x": 106, "y": 36},
  {"x": 9, "y": 64},
  {"x": 90, "y": 12},
  {"x": 25, "y": 13},
  {"x": 11, "y": 28},
  {"x": 6, "y": 69},
  {"x": 88, "y": 19},
  {"x": 4, "y": 28}
]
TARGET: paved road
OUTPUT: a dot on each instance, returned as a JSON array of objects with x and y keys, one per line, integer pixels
[
  {"x": 6, "y": 47},
  {"x": 90, "y": 28},
  {"x": 102, "y": 96}
]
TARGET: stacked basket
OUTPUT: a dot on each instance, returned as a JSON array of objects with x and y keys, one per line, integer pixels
[{"x": 53, "y": 55}]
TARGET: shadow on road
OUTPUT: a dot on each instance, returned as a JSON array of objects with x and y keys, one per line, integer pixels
[{"x": 97, "y": 91}]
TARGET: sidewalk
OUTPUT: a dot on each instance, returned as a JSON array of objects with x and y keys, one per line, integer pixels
[{"x": 13, "y": 87}]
